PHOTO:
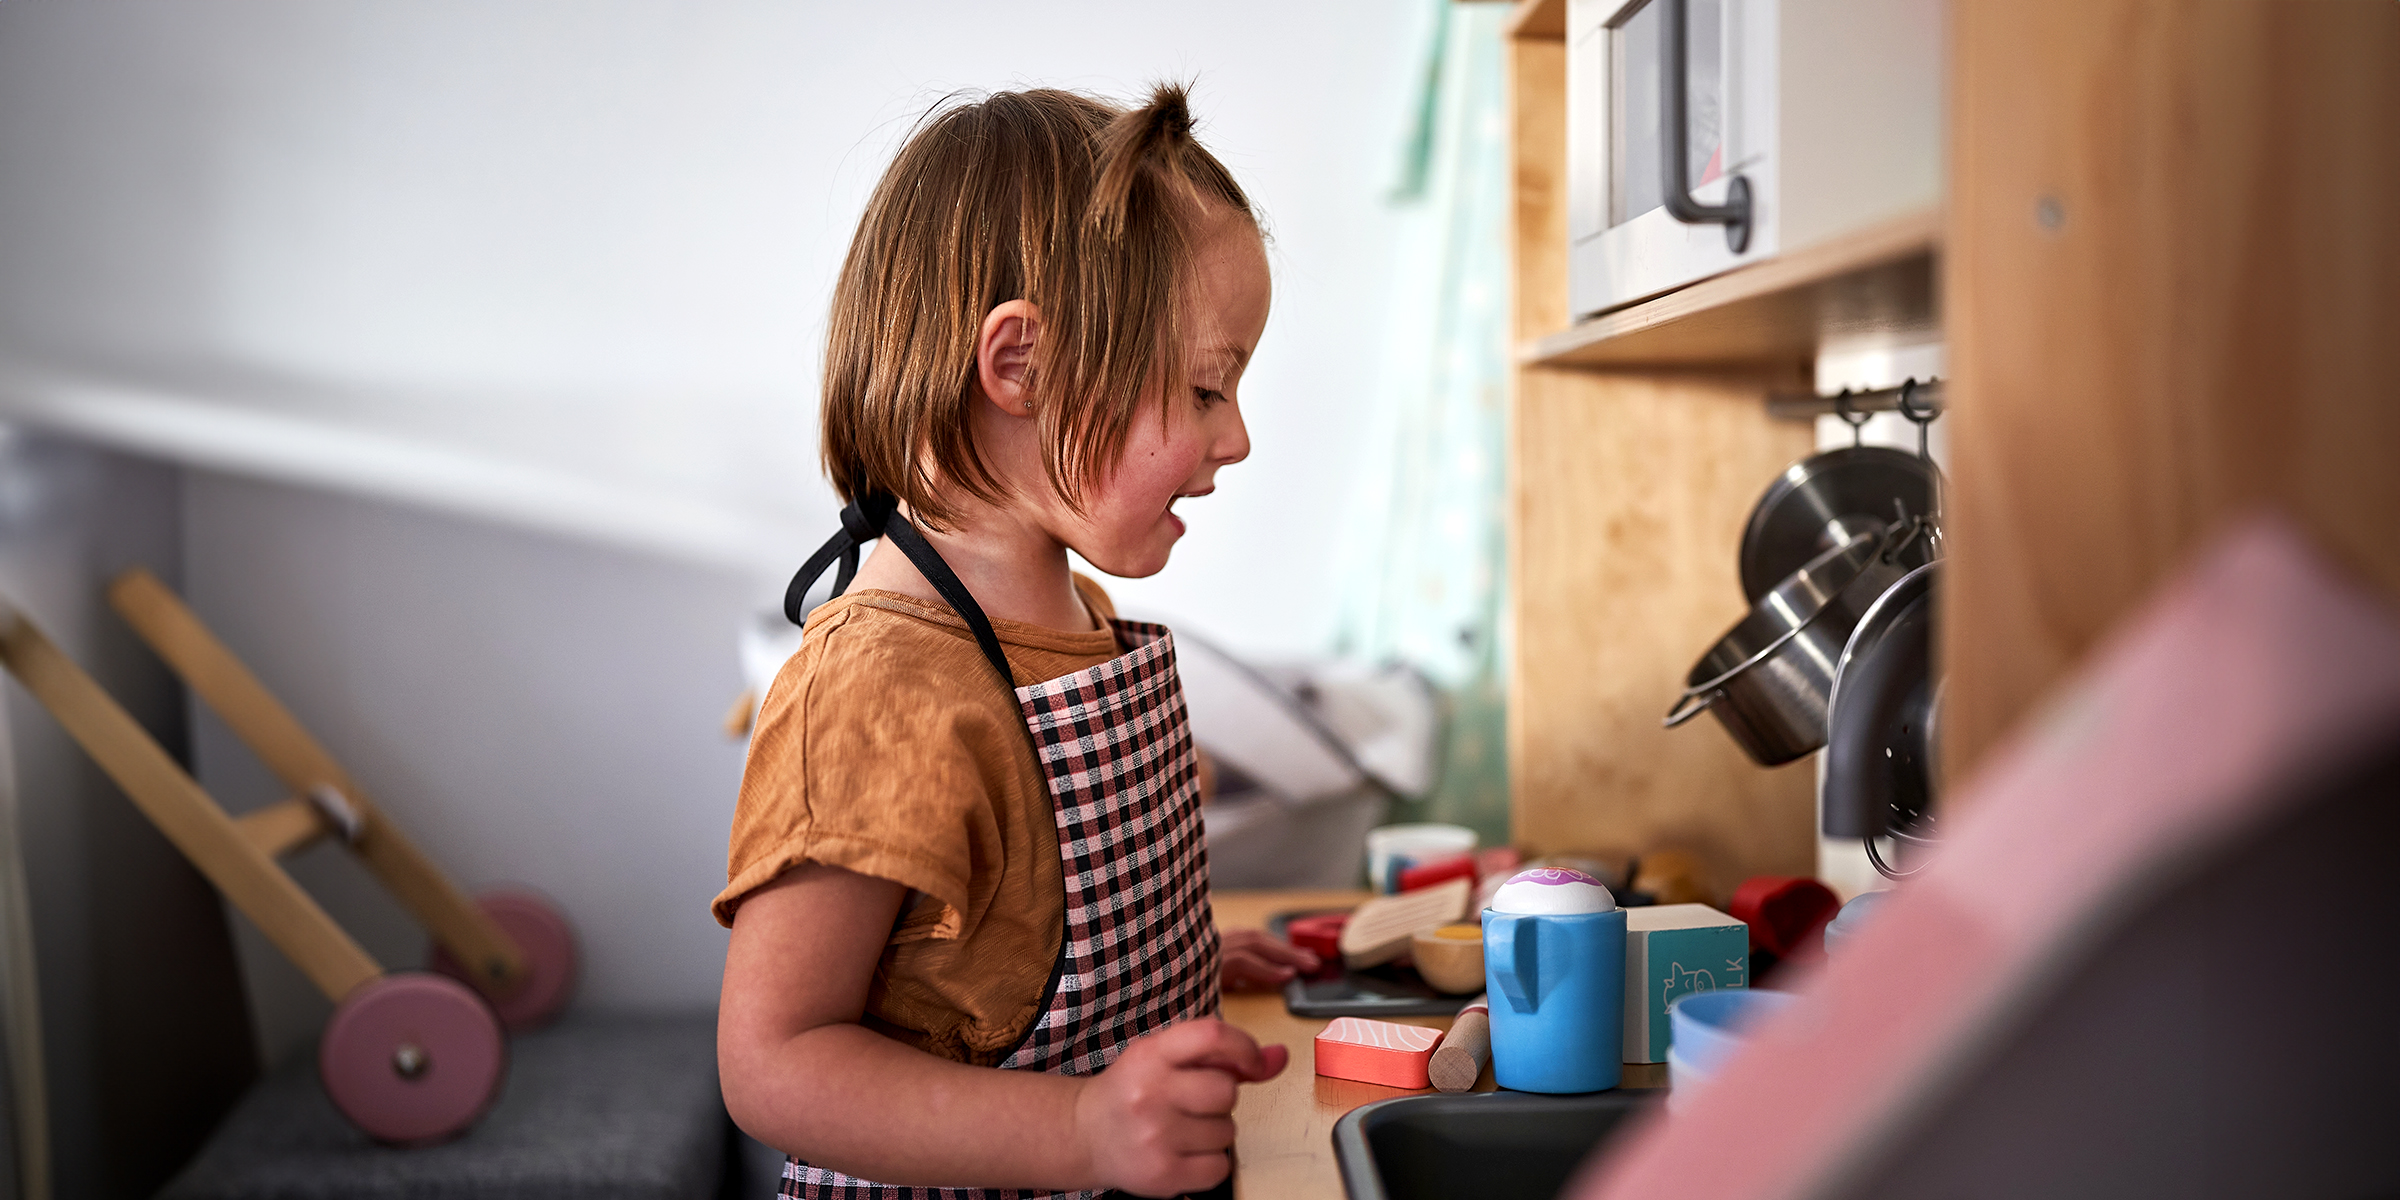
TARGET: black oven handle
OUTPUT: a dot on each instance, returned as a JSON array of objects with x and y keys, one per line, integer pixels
[{"x": 1734, "y": 214}]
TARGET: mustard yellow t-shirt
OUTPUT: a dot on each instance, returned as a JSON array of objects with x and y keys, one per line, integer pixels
[{"x": 887, "y": 746}]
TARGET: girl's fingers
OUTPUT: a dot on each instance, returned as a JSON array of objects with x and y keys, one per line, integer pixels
[
  {"x": 1244, "y": 969},
  {"x": 1209, "y": 1042},
  {"x": 1285, "y": 953},
  {"x": 1200, "y": 1172},
  {"x": 1202, "y": 1092},
  {"x": 1213, "y": 1043},
  {"x": 1273, "y": 1059},
  {"x": 1201, "y": 1135},
  {"x": 1254, "y": 946}
]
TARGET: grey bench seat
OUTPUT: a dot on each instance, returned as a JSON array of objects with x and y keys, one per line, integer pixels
[{"x": 594, "y": 1108}]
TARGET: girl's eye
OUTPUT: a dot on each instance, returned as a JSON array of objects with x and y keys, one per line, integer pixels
[{"x": 1207, "y": 396}]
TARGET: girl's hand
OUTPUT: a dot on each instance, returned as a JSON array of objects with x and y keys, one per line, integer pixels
[
  {"x": 1256, "y": 962},
  {"x": 1157, "y": 1122}
]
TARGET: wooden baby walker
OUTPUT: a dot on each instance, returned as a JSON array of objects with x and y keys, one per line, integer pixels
[{"x": 410, "y": 1057}]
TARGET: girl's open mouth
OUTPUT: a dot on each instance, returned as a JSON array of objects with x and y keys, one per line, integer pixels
[{"x": 1179, "y": 526}]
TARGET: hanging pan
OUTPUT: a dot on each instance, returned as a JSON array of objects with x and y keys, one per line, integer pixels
[
  {"x": 1768, "y": 679},
  {"x": 1880, "y": 726}
]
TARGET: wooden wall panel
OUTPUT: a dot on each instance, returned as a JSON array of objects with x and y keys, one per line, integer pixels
[
  {"x": 1628, "y": 496},
  {"x": 2207, "y": 322},
  {"x": 1537, "y": 74},
  {"x": 1631, "y": 493}
]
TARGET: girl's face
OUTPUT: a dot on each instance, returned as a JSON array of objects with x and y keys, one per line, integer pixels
[{"x": 1129, "y": 526}]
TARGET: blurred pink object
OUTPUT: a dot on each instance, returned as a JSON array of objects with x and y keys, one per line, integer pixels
[{"x": 2197, "y": 725}]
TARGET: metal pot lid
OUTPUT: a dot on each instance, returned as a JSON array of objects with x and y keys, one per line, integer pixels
[{"x": 1828, "y": 499}]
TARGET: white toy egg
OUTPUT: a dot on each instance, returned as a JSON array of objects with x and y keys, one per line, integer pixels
[{"x": 1552, "y": 891}]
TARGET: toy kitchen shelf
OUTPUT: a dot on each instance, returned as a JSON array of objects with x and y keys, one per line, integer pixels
[{"x": 1879, "y": 280}]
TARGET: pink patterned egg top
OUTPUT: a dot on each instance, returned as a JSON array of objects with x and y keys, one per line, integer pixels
[{"x": 1552, "y": 891}]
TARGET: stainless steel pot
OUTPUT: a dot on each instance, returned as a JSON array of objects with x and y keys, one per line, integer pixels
[
  {"x": 1827, "y": 499},
  {"x": 1770, "y": 677}
]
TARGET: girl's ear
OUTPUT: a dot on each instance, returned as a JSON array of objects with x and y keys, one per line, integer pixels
[{"x": 1004, "y": 356}]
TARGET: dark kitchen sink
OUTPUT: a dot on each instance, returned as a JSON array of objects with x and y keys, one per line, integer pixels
[{"x": 1488, "y": 1145}]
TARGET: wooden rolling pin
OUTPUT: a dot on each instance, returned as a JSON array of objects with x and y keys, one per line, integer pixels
[{"x": 1458, "y": 1061}]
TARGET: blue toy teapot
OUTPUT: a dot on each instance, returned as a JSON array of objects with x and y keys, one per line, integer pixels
[{"x": 1554, "y": 963}]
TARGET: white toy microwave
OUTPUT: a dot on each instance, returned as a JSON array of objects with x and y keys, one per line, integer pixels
[{"x": 1801, "y": 120}]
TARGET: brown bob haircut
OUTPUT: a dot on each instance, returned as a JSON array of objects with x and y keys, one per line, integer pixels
[{"x": 1081, "y": 207}]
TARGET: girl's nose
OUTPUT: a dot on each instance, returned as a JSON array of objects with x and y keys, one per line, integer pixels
[{"x": 1232, "y": 443}]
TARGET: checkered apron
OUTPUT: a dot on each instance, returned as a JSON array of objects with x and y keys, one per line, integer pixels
[{"x": 1139, "y": 951}]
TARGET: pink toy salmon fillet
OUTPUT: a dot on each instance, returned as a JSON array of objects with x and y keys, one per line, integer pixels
[{"x": 1377, "y": 1052}]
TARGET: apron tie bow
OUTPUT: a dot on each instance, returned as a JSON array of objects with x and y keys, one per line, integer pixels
[
  {"x": 864, "y": 519},
  {"x": 875, "y": 516}
]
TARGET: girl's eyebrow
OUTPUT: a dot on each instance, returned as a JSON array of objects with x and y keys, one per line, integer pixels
[{"x": 1241, "y": 354}]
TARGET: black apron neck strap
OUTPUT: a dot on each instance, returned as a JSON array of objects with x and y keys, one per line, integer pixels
[
  {"x": 936, "y": 572},
  {"x": 879, "y": 516}
]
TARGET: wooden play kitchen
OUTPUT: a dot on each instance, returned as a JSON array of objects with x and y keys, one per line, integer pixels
[
  {"x": 410, "y": 1057},
  {"x": 2147, "y": 336},
  {"x": 2166, "y": 330}
]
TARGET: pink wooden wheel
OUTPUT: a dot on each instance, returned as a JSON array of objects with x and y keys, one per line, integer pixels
[
  {"x": 411, "y": 1058},
  {"x": 548, "y": 944}
]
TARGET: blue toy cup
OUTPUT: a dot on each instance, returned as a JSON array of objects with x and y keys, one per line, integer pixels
[
  {"x": 1707, "y": 1027},
  {"x": 1557, "y": 985}
]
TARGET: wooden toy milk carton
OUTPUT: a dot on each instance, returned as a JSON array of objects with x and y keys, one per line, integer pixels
[{"x": 1673, "y": 950}]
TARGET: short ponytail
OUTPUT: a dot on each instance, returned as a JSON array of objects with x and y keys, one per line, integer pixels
[
  {"x": 1079, "y": 206},
  {"x": 1145, "y": 145}
]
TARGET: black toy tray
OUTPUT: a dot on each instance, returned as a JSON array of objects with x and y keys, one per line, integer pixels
[{"x": 1391, "y": 990}]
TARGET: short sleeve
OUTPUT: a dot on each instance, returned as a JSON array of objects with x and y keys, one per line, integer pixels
[{"x": 869, "y": 756}]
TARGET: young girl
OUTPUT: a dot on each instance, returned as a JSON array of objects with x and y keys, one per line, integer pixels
[{"x": 972, "y": 945}]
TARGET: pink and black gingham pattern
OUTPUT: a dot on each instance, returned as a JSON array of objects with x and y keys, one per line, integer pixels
[{"x": 1140, "y": 946}]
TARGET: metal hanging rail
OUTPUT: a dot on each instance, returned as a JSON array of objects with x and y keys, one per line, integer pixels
[{"x": 1925, "y": 396}]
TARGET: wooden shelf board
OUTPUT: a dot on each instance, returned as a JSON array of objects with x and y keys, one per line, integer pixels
[
  {"x": 1879, "y": 280},
  {"x": 1538, "y": 19}
]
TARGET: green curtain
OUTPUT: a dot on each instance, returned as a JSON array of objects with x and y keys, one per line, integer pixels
[{"x": 1428, "y": 547}]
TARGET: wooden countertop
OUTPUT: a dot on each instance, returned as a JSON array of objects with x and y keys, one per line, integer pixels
[{"x": 1284, "y": 1147}]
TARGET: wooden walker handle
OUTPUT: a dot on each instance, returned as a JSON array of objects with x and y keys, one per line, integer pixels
[
  {"x": 270, "y": 730},
  {"x": 184, "y": 812}
]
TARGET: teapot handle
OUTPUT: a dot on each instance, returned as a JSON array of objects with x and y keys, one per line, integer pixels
[{"x": 1512, "y": 947}]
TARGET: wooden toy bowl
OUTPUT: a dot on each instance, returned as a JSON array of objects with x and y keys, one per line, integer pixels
[{"x": 1451, "y": 957}]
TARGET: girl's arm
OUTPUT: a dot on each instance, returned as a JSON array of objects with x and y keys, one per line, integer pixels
[{"x": 801, "y": 1074}]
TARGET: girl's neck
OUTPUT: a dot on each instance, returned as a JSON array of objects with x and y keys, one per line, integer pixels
[{"x": 1015, "y": 570}]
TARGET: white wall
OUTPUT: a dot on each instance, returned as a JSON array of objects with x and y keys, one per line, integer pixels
[
  {"x": 533, "y": 710},
  {"x": 529, "y": 296},
  {"x": 592, "y": 242}
]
